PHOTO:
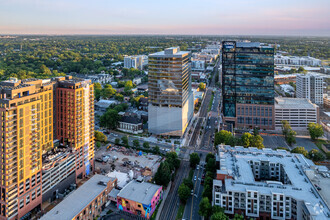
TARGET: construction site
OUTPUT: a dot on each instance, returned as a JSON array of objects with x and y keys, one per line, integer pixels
[{"x": 121, "y": 162}]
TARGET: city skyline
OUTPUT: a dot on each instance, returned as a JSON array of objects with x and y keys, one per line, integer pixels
[{"x": 183, "y": 17}]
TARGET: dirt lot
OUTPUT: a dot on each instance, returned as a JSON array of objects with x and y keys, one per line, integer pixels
[{"x": 124, "y": 160}]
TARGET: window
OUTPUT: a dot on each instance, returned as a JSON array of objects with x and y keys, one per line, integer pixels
[{"x": 27, "y": 199}]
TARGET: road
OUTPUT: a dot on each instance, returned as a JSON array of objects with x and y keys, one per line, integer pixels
[
  {"x": 192, "y": 205},
  {"x": 172, "y": 202},
  {"x": 209, "y": 122}
]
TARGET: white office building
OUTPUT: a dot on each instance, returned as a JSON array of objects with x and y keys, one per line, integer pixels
[
  {"x": 310, "y": 86},
  {"x": 299, "y": 112},
  {"x": 267, "y": 184},
  {"x": 171, "y": 100}
]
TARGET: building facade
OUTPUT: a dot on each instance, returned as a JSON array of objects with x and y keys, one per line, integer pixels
[
  {"x": 296, "y": 61},
  {"x": 136, "y": 62},
  {"x": 139, "y": 198},
  {"x": 170, "y": 100},
  {"x": 87, "y": 202},
  {"x": 130, "y": 124},
  {"x": 30, "y": 115},
  {"x": 297, "y": 111},
  {"x": 26, "y": 108},
  {"x": 267, "y": 184},
  {"x": 248, "y": 84},
  {"x": 75, "y": 121},
  {"x": 310, "y": 86}
]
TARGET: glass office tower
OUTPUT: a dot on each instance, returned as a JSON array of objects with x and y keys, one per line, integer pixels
[
  {"x": 248, "y": 84},
  {"x": 170, "y": 96}
]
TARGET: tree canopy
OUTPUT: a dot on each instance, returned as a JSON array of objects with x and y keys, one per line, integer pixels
[{"x": 315, "y": 130}]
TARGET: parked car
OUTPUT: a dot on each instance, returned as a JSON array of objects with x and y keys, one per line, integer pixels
[
  {"x": 99, "y": 160},
  {"x": 195, "y": 178},
  {"x": 105, "y": 159},
  {"x": 317, "y": 187}
]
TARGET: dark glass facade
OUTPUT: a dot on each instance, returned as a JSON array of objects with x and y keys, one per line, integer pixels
[{"x": 248, "y": 76}]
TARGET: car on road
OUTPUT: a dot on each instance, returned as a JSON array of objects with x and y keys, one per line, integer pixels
[
  {"x": 195, "y": 178},
  {"x": 192, "y": 192},
  {"x": 99, "y": 160},
  {"x": 197, "y": 168},
  {"x": 317, "y": 187},
  {"x": 105, "y": 158}
]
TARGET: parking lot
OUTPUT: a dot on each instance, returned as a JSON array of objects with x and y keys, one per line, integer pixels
[
  {"x": 324, "y": 183},
  {"x": 274, "y": 141}
]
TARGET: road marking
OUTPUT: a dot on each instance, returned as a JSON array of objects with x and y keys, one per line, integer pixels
[{"x": 192, "y": 202}]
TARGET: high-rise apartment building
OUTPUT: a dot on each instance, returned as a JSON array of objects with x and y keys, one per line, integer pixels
[
  {"x": 170, "y": 96},
  {"x": 248, "y": 84},
  {"x": 27, "y": 125},
  {"x": 310, "y": 86},
  {"x": 136, "y": 62},
  {"x": 26, "y": 108},
  {"x": 75, "y": 120},
  {"x": 267, "y": 184}
]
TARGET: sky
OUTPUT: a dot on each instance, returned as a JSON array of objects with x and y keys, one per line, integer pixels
[{"x": 201, "y": 17}]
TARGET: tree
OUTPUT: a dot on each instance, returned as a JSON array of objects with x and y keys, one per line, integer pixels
[
  {"x": 129, "y": 84},
  {"x": 109, "y": 119},
  {"x": 184, "y": 192},
  {"x": 189, "y": 183},
  {"x": 202, "y": 86},
  {"x": 163, "y": 174},
  {"x": 257, "y": 141},
  {"x": 172, "y": 158},
  {"x": 246, "y": 139},
  {"x": 209, "y": 156},
  {"x": 315, "y": 130},
  {"x": 124, "y": 141},
  {"x": 146, "y": 145},
  {"x": 194, "y": 160},
  {"x": 97, "y": 91},
  {"x": 300, "y": 150},
  {"x": 119, "y": 97},
  {"x": 99, "y": 136},
  {"x": 210, "y": 165},
  {"x": 238, "y": 217},
  {"x": 219, "y": 216},
  {"x": 291, "y": 138},
  {"x": 205, "y": 208},
  {"x": 117, "y": 141},
  {"x": 316, "y": 155},
  {"x": 289, "y": 134},
  {"x": 136, "y": 143},
  {"x": 107, "y": 92},
  {"x": 98, "y": 144},
  {"x": 156, "y": 149},
  {"x": 207, "y": 192},
  {"x": 222, "y": 137}
]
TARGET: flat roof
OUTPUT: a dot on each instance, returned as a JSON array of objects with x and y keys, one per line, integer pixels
[
  {"x": 140, "y": 192},
  {"x": 293, "y": 103},
  {"x": 78, "y": 199},
  {"x": 234, "y": 161}
]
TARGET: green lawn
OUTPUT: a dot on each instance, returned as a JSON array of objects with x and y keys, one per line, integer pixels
[
  {"x": 210, "y": 103},
  {"x": 180, "y": 212}
]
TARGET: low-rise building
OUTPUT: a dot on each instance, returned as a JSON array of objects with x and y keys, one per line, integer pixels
[
  {"x": 197, "y": 65},
  {"x": 130, "y": 124},
  {"x": 137, "y": 81},
  {"x": 143, "y": 104},
  {"x": 297, "y": 61},
  {"x": 139, "y": 198},
  {"x": 298, "y": 112},
  {"x": 326, "y": 101},
  {"x": 87, "y": 202},
  {"x": 267, "y": 184}
]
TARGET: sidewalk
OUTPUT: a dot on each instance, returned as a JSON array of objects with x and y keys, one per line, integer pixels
[{"x": 163, "y": 200}]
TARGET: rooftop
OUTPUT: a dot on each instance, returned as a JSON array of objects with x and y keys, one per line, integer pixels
[
  {"x": 78, "y": 199},
  {"x": 170, "y": 52},
  {"x": 234, "y": 161},
  {"x": 293, "y": 103},
  {"x": 139, "y": 192}
]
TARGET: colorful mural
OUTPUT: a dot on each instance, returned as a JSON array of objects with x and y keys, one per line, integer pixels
[{"x": 136, "y": 208}]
